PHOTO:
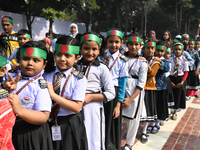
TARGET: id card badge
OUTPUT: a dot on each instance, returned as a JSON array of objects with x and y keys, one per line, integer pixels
[{"x": 56, "y": 133}]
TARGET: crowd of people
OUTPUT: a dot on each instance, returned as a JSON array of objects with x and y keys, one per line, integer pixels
[{"x": 74, "y": 92}]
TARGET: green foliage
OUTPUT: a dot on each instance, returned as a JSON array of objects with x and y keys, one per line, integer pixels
[{"x": 51, "y": 14}]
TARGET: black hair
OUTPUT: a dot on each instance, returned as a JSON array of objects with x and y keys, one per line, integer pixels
[
  {"x": 47, "y": 34},
  {"x": 134, "y": 34},
  {"x": 23, "y": 31},
  {"x": 169, "y": 39},
  {"x": 114, "y": 29},
  {"x": 161, "y": 43},
  {"x": 7, "y": 17},
  {"x": 68, "y": 40},
  {"x": 38, "y": 44},
  {"x": 78, "y": 36},
  {"x": 3, "y": 47},
  {"x": 43, "y": 42},
  {"x": 103, "y": 43},
  {"x": 55, "y": 36}
]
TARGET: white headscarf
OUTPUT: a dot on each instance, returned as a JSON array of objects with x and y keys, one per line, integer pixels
[{"x": 74, "y": 34}]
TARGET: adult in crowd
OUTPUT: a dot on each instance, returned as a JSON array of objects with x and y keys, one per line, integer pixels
[
  {"x": 9, "y": 35},
  {"x": 73, "y": 28},
  {"x": 152, "y": 34},
  {"x": 167, "y": 38},
  {"x": 48, "y": 41},
  {"x": 53, "y": 42}
]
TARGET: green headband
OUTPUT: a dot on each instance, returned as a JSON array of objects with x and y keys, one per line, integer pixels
[
  {"x": 150, "y": 44},
  {"x": 116, "y": 33},
  {"x": 67, "y": 49},
  {"x": 90, "y": 37},
  {"x": 191, "y": 42},
  {"x": 197, "y": 42},
  {"x": 3, "y": 61},
  {"x": 6, "y": 19},
  {"x": 33, "y": 51},
  {"x": 178, "y": 47},
  {"x": 25, "y": 35},
  {"x": 168, "y": 50},
  {"x": 160, "y": 47},
  {"x": 185, "y": 36},
  {"x": 176, "y": 41},
  {"x": 134, "y": 39}
]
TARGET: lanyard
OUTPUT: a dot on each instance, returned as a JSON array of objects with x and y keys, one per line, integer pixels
[
  {"x": 132, "y": 65},
  {"x": 114, "y": 62},
  {"x": 27, "y": 83},
  {"x": 62, "y": 93},
  {"x": 88, "y": 70}
]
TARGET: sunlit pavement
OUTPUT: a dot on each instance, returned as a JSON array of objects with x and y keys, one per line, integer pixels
[{"x": 182, "y": 134}]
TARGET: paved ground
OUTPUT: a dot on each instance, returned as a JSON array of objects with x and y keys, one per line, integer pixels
[{"x": 182, "y": 134}]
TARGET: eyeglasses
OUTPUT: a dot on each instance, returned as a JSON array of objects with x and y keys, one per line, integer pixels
[{"x": 165, "y": 34}]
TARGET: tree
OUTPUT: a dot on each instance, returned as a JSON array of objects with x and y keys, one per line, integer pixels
[
  {"x": 85, "y": 9},
  {"x": 51, "y": 14}
]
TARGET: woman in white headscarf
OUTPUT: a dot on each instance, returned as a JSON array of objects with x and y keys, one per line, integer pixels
[{"x": 73, "y": 28}]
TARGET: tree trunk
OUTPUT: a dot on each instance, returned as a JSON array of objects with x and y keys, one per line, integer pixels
[
  {"x": 142, "y": 20},
  {"x": 176, "y": 15},
  {"x": 186, "y": 26},
  {"x": 180, "y": 21},
  {"x": 51, "y": 28},
  {"x": 118, "y": 17},
  {"x": 126, "y": 17}
]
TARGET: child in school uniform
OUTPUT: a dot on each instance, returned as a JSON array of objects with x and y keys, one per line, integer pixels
[
  {"x": 99, "y": 89},
  {"x": 118, "y": 67},
  {"x": 68, "y": 93},
  {"x": 169, "y": 92},
  {"x": 30, "y": 100},
  {"x": 185, "y": 40},
  {"x": 161, "y": 85},
  {"x": 178, "y": 76},
  {"x": 132, "y": 104},
  {"x": 7, "y": 116},
  {"x": 23, "y": 36},
  {"x": 193, "y": 79},
  {"x": 197, "y": 46},
  {"x": 150, "y": 87}
]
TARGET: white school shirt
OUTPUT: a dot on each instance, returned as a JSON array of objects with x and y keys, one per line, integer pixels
[
  {"x": 74, "y": 90},
  {"x": 33, "y": 97},
  {"x": 120, "y": 68},
  {"x": 98, "y": 77},
  {"x": 182, "y": 65},
  {"x": 138, "y": 68}
]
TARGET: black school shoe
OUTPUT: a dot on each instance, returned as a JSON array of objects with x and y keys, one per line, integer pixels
[
  {"x": 149, "y": 129},
  {"x": 155, "y": 129},
  {"x": 144, "y": 138},
  {"x": 127, "y": 147}
]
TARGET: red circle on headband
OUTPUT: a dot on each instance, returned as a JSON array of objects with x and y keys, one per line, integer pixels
[
  {"x": 63, "y": 48},
  {"x": 186, "y": 35},
  {"x": 23, "y": 35},
  {"x": 86, "y": 37},
  {"x": 150, "y": 44},
  {"x": 113, "y": 32},
  {"x": 134, "y": 38},
  {"x": 163, "y": 48},
  {"x": 177, "y": 47},
  {"x": 4, "y": 19},
  {"x": 29, "y": 51}
]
